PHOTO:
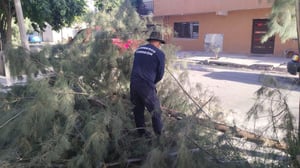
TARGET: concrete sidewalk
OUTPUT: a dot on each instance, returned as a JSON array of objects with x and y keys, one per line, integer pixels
[{"x": 254, "y": 61}]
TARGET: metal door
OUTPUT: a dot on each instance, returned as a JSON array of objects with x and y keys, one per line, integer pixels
[{"x": 260, "y": 28}]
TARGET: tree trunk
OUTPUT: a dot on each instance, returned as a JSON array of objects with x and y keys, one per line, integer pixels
[
  {"x": 21, "y": 24},
  {"x": 298, "y": 33},
  {"x": 8, "y": 35},
  {"x": 298, "y": 22},
  {"x": 6, "y": 24}
]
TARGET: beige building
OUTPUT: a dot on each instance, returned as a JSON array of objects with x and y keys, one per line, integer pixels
[{"x": 229, "y": 25}]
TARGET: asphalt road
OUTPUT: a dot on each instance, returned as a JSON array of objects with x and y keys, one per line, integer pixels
[{"x": 236, "y": 89}]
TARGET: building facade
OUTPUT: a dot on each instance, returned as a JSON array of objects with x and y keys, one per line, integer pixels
[{"x": 228, "y": 25}]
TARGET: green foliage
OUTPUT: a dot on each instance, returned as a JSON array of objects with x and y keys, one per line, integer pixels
[
  {"x": 107, "y": 6},
  {"x": 282, "y": 20},
  {"x": 25, "y": 63},
  {"x": 271, "y": 107},
  {"x": 276, "y": 108},
  {"x": 79, "y": 114},
  {"x": 56, "y": 13},
  {"x": 156, "y": 158}
]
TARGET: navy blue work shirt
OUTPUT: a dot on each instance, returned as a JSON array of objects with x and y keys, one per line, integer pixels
[{"x": 148, "y": 65}]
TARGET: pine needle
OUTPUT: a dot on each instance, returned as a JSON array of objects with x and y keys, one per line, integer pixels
[
  {"x": 187, "y": 94},
  {"x": 11, "y": 119}
]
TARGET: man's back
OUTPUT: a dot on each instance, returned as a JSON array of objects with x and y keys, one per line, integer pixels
[{"x": 148, "y": 65}]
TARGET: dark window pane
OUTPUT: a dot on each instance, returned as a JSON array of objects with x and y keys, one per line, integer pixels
[{"x": 186, "y": 30}]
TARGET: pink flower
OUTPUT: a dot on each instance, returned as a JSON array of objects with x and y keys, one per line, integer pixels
[{"x": 123, "y": 45}]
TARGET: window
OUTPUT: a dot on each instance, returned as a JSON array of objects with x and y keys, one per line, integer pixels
[{"x": 186, "y": 30}]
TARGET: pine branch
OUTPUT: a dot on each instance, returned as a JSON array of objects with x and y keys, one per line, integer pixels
[
  {"x": 186, "y": 93},
  {"x": 203, "y": 105},
  {"x": 129, "y": 161},
  {"x": 11, "y": 119},
  {"x": 209, "y": 154},
  {"x": 174, "y": 154},
  {"x": 74, "y": 93},
  {"x": 96, "y": 102},
  {"x": 235, "y": 131}
]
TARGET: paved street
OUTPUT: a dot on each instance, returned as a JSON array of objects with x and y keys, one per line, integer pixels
[{"x": 236, "y": 87}]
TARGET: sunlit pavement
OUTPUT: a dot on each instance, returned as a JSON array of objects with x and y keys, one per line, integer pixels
[{"x": 259, "y": 62}]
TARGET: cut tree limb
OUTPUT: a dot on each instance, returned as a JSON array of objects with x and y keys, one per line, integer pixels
[{"x": 235, "y": 131}]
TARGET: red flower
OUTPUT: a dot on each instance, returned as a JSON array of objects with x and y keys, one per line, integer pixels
[{"x": 125, "y": 45}]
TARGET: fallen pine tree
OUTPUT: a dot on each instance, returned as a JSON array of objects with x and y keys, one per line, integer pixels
[
  {"x": 54, "y": 122},
  {"x": 236, "y": 132},
  {"x": 233, "y": 130}
]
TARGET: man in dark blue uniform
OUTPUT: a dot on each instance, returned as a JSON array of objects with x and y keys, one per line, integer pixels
[{"x": 148, "y": 69}]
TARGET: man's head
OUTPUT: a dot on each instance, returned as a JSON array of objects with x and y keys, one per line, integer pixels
[{"x": 156, "y": 39}]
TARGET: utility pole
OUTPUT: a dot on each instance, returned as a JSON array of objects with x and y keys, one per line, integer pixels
[
  {"x": 298, "y": 22},
  {"x": 298, "y": 40},
  {"x": 21, "y": 24}
]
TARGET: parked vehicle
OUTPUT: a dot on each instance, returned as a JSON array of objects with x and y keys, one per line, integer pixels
[
  {"x": 293, "y": 66},
  {"x": 32, "y": 38}
]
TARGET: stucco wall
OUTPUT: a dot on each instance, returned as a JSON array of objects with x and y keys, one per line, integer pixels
[
  {"x": 179, "y": 7},
  {"x": 236, "y": 27}
]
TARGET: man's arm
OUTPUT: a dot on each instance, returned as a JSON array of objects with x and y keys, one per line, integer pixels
[{"x": 161, "y": 67}]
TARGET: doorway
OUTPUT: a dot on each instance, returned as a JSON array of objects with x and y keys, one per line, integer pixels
[{"x": 260, "y": 28}]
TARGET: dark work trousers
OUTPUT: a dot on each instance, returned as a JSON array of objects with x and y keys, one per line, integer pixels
[{"x": 142, "y": 95}]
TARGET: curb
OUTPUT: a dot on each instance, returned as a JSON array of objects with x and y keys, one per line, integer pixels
[{"x": 263, "y": 67}]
